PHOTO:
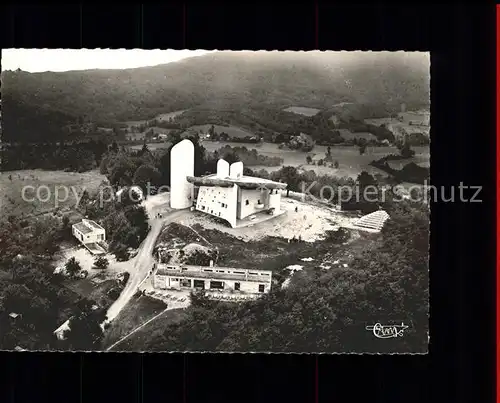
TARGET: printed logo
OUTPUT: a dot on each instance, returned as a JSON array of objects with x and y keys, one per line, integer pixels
[{"x": 387, "y": 331}]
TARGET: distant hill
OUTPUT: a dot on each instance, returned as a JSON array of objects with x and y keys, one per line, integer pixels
[{"x": 216, "y": 81}]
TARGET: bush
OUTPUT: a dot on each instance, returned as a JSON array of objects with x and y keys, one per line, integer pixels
[
  {"x": 114, "y": 293},
  {"x": 73, "y": 267},
  {"x": 126, "y": 276},
  {"x": 101, "y": 263},
  {"x": 338, "y": 237},
  {"x": 121, "y": 252}
]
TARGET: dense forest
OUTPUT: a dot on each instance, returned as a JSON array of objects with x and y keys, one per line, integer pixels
[{"x": 71, "y": 156}]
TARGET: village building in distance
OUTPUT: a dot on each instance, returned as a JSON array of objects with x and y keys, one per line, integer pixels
[{"x": 90, "y": 234}]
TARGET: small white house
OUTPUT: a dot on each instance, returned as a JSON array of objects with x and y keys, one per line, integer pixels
[
  {"x": 61, "y": 331},
  {"x": 89, "y": 233}
]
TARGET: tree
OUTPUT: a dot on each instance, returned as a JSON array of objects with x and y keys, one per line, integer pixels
[
  {"x": 122, "y": 168},
  {"x": 73, "y": 267},
  {"x": 364, "y": 179},
  {"x": 146, "y": 174},
  {"x": 406, "y": 151},
  {"x": 101, "y": 263},
  {"x": 84, "y": 198},
  {"x": 129, "y": 197},
  {"x": 138, "y": 219},
  {"x": 232, "y": 157},
  {"x": 144, "y": 148},
  {"x": 65, "y": 222},
  {"x": 164, "y": 168},
  {"x": 121, "y": 252},
  {"x": 85, "y": 330},
  {"x": 290, "y": 176},
  {"x": 103, "y": 166},
  {"x": 199, "y": 299},
  {"x": 114, "y": 147}
]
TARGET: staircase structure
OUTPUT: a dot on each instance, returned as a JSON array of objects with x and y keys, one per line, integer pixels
[{"x": 374, "y": 221}]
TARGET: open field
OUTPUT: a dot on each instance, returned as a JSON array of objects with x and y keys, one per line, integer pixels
[
  {"x": 416, "y": 117},
  {"x": 86, "y": 260},
  {"x": 342, "y": 104},
  {"x": 410, "y": 122},
  {"x": 163, "y": 117},
  {"x": 136, "y": 136},
  {"x": 136, "y": 312},
  {"x": 160, "y": 130},
  {"x": 302, "y": 110},
  {"x": 141, "y": 136},
  {"x": 232, "y": 131},
  {"x": 45, "y": 182},
  {"x": 311, "y": 222},
  {"x": 170, "y": 115},
  {"x": 350, "y": 162},
  {"x": 348, "y": 135},
  {"x": 152, "y": 146},
  {"x": 130, "y": 123}
]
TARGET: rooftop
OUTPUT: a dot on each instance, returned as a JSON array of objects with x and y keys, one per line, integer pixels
[
  {"x": 213, "y": 276},
  {"x": 87, "y": 226},
  {"x": 93, "y": 224},
  {"x": 83, "y": 228},
  {"x": 197, "y": 272},
  {"x": 246, "y": 182}
]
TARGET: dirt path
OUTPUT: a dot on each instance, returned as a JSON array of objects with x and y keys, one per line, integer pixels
[{"x": 142, "y": 263}]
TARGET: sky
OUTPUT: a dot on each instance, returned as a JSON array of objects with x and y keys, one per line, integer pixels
[{"x": 39, "y": 60}]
